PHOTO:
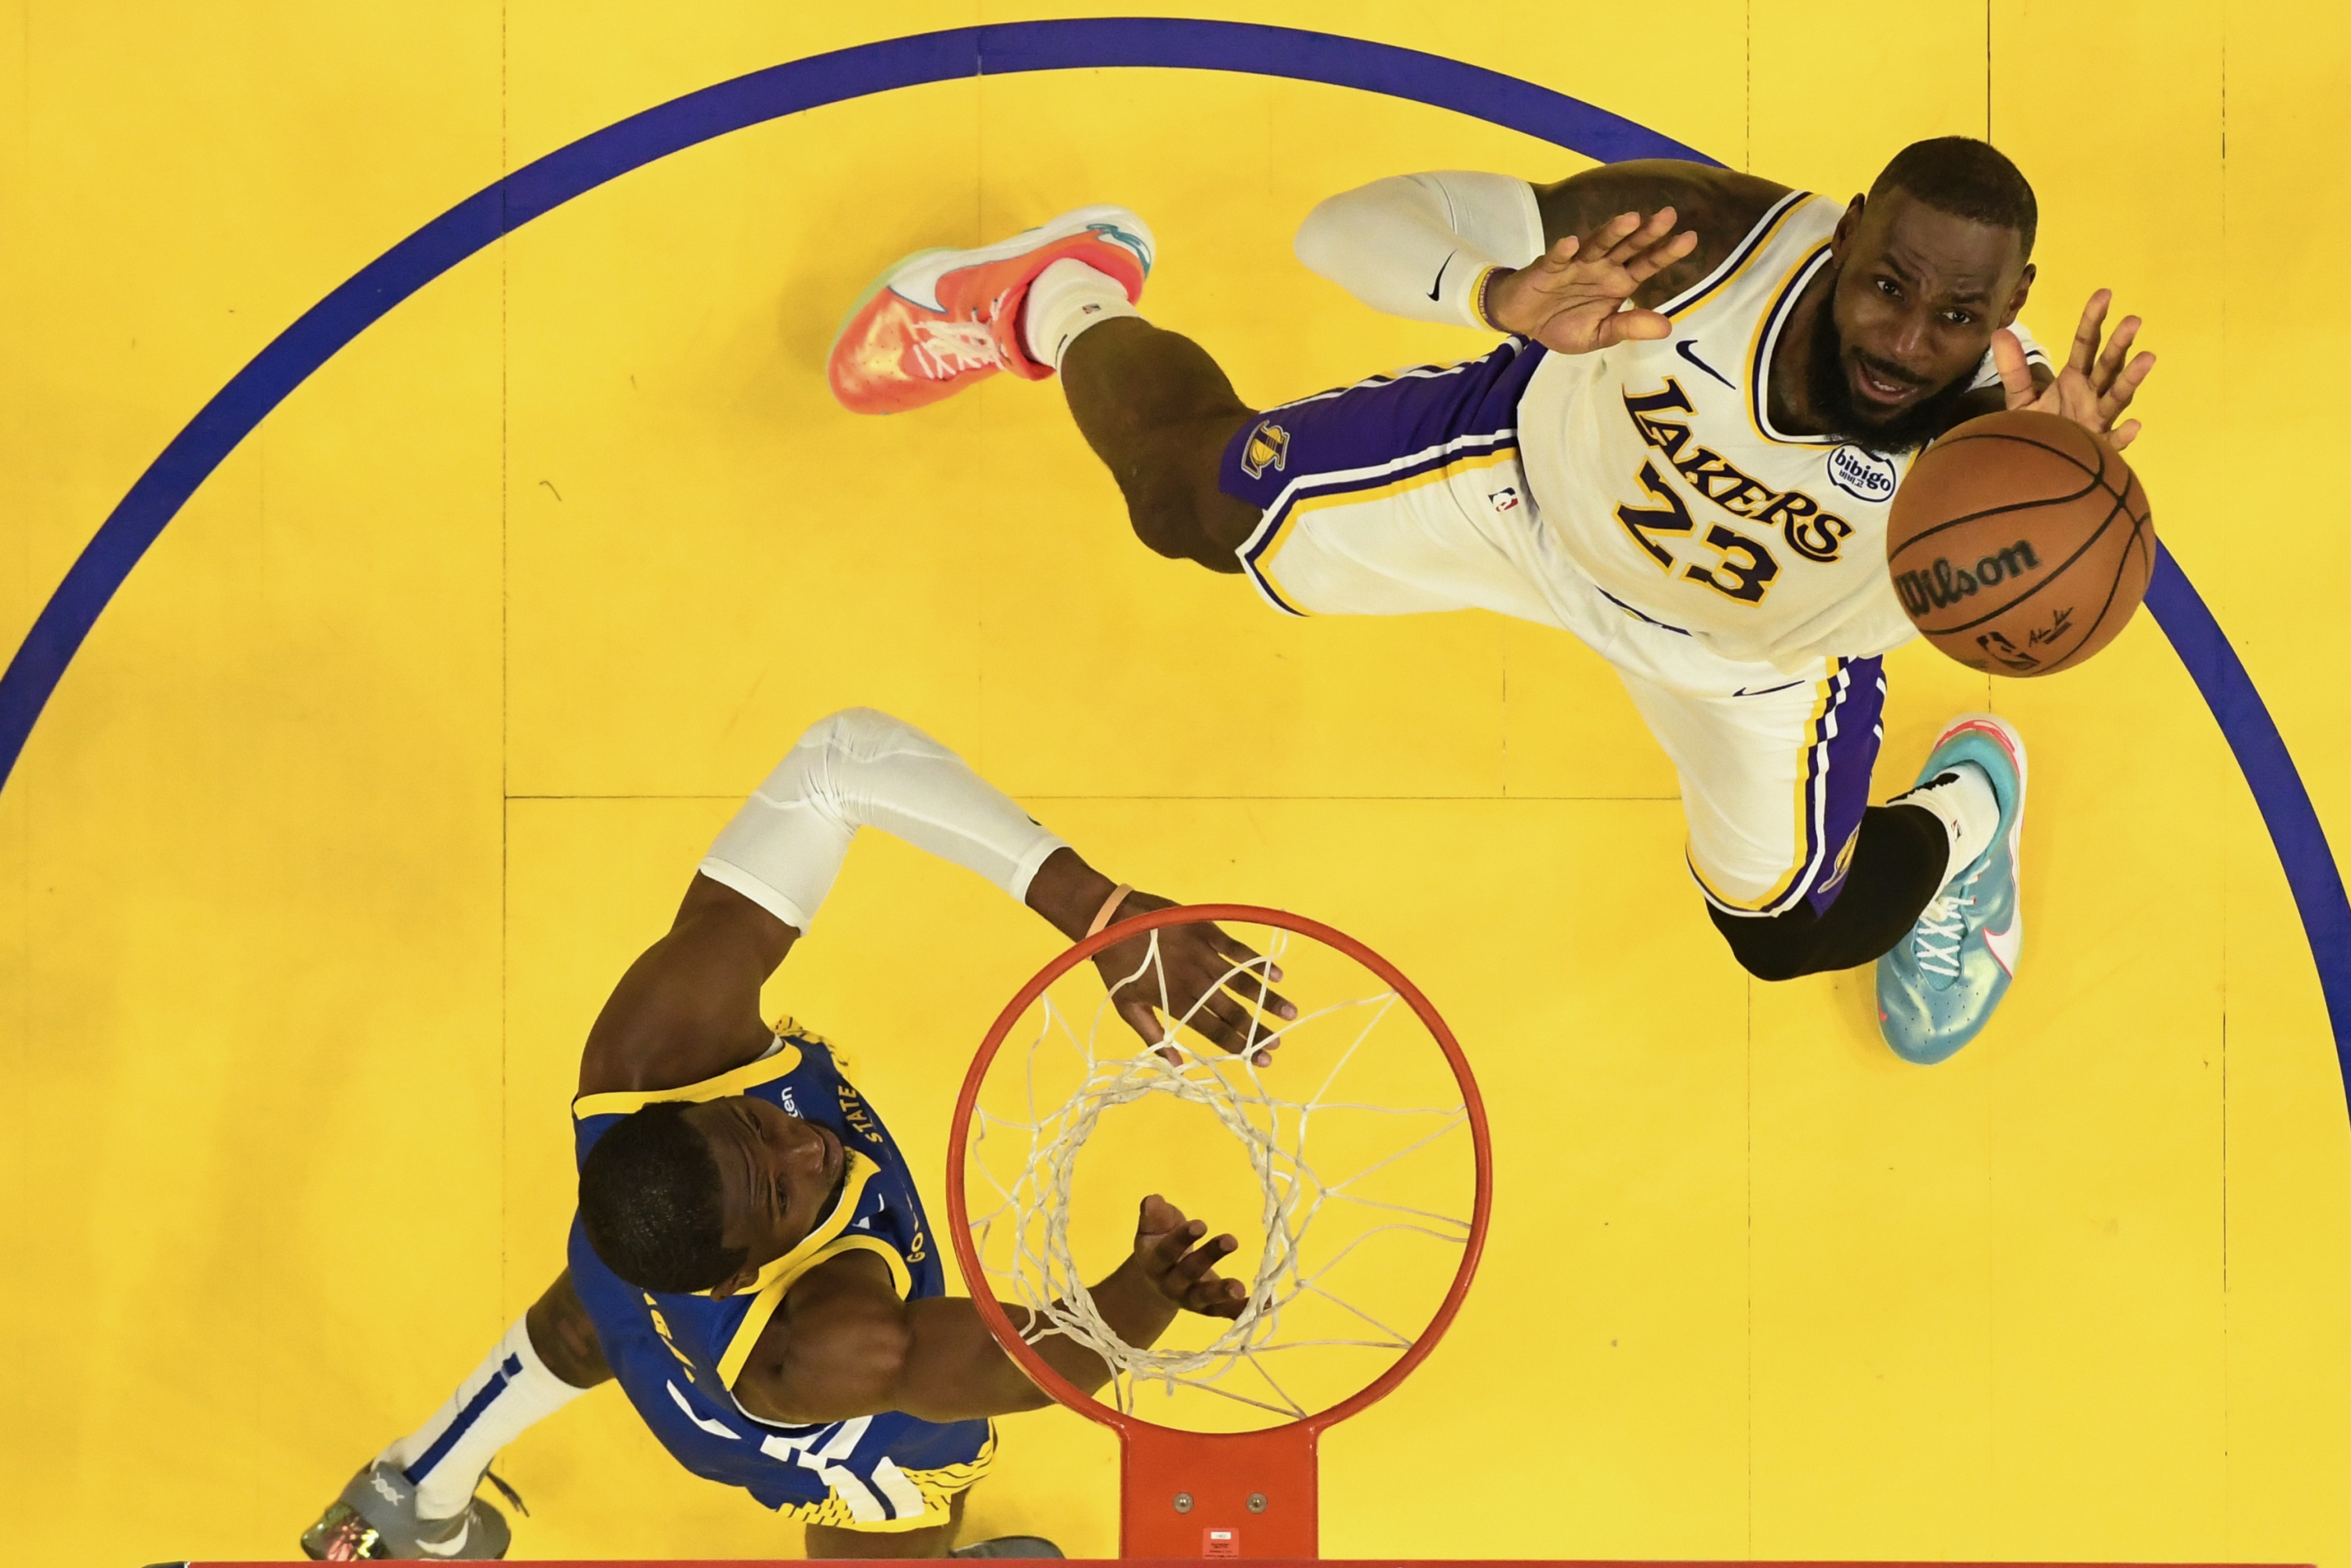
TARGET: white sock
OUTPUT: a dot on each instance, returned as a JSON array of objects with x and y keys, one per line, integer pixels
[
  {"x": 509, "y": 1393},
  {"x": 1962, "y": 797},
  {"x": 1066, "y": 298}
]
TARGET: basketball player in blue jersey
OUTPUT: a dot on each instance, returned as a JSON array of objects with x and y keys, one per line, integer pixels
[
  {"x": 751, "y": 1259},
  {"x": 1683, "y": 454}
]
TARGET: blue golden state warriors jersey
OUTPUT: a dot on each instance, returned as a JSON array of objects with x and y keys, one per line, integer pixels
[{"x": 678, "y": 1355}]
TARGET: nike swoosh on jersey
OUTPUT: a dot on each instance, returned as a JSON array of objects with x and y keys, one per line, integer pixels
[
  {"x": 1684, "y": 350},
  {"x": 1440, "y": 273}
]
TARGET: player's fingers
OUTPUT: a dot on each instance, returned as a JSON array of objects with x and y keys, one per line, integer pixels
[
  {"x": 1167, "y": 1252},
  {"x": 2130, "y": 379},
  {"x": 1154, "y": 1216},
  {"x": 1255, "y": 977},
  {"x": 1240, "y": 952},
  {"x": 1189, "y": 1267},
  {"x": 1625, "y": 325},
  {"x": 1659, "y": 254},
  {"x": 1239, "y": 1030},
  {"x": 2123, "y": 434},
  {"x": 1219, "y": 1298},
  {"x": 2085, "y": 335},
  {"x": 2117, "y": 351},
  {"x": 1561, "y": 256},
  {"x": 1643, "y": 234},
  {"x": 1612, "y": 233},
  {"x": 1209, "y": 1025},
  {"x": 1142, "y": 1018},
  {"x": 1251, "y": 985},
  {"x": 2118, "y": 395},
  {"x": 2015, "y": 371}
]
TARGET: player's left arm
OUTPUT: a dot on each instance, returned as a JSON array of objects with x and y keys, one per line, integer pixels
[
  {"x": 690, "y": 1006},
  {"x": 844, "y": 1345},
  {"x": 2096, "y": 385}
]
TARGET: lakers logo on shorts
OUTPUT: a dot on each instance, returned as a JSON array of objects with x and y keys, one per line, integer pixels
[
  {"x": 1268, "y": 447},
  {"x": 1843, "y": 862}
]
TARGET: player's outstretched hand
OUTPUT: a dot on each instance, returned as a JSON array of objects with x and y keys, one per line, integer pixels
[
  {"x": 1177, "y": 1258},
  {"x": 2095, "y": 388},
  {"x": 1206, "y": 988},
  {"x": 1572, "y": 298}
]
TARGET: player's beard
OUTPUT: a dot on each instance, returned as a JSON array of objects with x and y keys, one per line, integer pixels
[{"x": 1835, "y": 405}]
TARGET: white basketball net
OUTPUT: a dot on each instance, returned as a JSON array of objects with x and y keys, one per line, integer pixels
[{"x": 1273, "y": 1130}]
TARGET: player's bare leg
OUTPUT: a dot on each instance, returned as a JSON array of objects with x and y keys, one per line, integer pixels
[
  {"x": 1061, "y": 298},
  {"x": 1159, "y": 412}
]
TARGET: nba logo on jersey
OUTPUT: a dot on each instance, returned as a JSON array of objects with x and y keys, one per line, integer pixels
[
  {"x": 1268, "y": 447},
  {"x": 1861, "y": 475},
  {"x": 1504, "y": 499}
]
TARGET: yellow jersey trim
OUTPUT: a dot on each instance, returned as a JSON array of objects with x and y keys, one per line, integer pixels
[
  {"x": 768, "y": 1290},
  {"x": 627, "y": 1101},
  {"x": 1740, "y": 260},
  {"x": 789, "y": 1029}
]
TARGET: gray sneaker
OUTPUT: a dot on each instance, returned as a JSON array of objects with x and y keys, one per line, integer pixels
[
  {"x": 1027, "y": 1546},
  {"x": 376, "y": 1518}
]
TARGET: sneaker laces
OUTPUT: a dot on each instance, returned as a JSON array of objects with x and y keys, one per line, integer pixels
[
  {"x": 946, "y": 349},
  {"x": 1942, "y": 928}
]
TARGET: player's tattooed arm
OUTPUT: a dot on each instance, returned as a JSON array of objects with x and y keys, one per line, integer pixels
[
  {"x": 1719, "y": 206},
  {"x": 2095, "y": 389},
  {"x": 1207, "y": 986},
  {"x": 844, "y": 1344}
]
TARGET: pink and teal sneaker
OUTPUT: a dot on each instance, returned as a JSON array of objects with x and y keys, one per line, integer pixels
[
  {"x": 939, "y": 320},
  {"x": 1937, "y": 989}
]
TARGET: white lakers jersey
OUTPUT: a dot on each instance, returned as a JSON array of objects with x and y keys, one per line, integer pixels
[{"x": 1656, "y": 469}]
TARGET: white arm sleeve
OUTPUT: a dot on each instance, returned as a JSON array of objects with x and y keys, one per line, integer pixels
[
  {"x": 863, "y": 768},
  {"x": 1988, "y": 372},
  {"x": 1416, "y": 245}
]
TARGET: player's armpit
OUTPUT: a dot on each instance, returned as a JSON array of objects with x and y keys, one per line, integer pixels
[{"x": 1719, "y": 205}]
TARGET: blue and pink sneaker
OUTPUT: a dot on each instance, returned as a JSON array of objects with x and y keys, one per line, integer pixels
[
  {"x": 1937, "y": 989},
  {"x": 940, "y": 320}
]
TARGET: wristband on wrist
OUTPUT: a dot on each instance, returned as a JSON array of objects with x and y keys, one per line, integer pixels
[
  {"x": 1109, "y": 908},
  {"x": 1477, "y": 298}
]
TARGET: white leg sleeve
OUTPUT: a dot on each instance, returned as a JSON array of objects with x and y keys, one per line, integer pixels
[
  {"x": 863, "y": 768},
  {"x": 1416, "y": 245},
  {"x": 509, "y": 1393}
]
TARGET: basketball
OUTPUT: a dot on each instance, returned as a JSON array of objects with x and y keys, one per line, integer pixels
[{"x": 2020, "y": 544}]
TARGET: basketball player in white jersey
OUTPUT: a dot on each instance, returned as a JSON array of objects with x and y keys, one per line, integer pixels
[{"x": 1683, "y": 453}]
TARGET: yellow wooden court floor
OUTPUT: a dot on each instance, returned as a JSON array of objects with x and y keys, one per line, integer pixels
[{"x": 407, "y": 732}]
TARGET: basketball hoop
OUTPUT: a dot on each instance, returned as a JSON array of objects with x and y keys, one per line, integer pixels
[{"x": 1361, "y": 1028}]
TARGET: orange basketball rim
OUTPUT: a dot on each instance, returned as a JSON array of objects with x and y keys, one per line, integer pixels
[{"x": 1186, "y": 1494}]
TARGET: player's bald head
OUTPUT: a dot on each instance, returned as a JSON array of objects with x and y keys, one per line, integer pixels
[{"x": 1967, "y": 179}]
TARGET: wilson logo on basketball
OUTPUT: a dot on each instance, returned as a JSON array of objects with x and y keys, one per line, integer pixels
[{"x": 1941, "y": 585}]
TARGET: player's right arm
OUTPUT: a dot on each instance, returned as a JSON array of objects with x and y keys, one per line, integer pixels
[
  {"x": 1551, "y": 262},
  {"x": 688, "y": 1009},
  {"x": 844, "y": 1344}
]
